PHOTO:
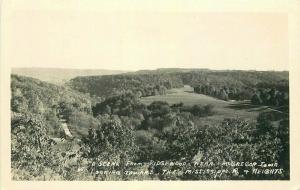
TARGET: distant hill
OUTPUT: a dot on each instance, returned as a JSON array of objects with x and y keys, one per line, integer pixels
[
  {"x": 153, "y": 82},
  {"x": 60, "y": 76},
  {"x": 30, "y": 95},
  {"x": 167, "y": 70}
]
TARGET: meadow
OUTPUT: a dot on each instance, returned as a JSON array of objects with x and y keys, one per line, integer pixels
[{"x": 223, "y": 109}]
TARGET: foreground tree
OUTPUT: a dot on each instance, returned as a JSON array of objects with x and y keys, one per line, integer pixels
[
  {"x": 110, "y": 142},
  {"x": 31, "y": 154}
]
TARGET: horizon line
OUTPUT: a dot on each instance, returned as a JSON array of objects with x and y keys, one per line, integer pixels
[{"x": 136, "y": 70}]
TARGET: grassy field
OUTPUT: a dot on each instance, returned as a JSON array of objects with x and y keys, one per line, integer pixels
[{"x": 223, "y": 109}]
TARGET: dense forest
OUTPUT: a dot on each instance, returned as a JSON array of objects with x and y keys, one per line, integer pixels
[
  {"x": 108, "y": 123},
  {"x": 144, "y": 85},
  {"x": 234, "y": 85}
]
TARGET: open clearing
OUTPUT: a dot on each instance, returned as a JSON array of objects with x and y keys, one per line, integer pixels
[{"x": 223, "y": 109}]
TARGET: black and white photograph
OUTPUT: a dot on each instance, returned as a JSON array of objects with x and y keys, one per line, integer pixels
[{"x": 103, "y": 94}]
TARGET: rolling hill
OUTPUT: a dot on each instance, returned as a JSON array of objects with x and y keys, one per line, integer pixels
[{"x": 60, "y": 76}]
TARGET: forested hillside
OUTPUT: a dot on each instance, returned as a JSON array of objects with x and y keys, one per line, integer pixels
[
  {"x": 144, "y": 84},
  {"x": 60, "y": 76},
  {"x": 226, "y": 85},
  {"x": 68, "y": 132},
  {"x": 32, "y": 96}
]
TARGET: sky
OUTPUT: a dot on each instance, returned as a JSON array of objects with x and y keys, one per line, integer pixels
[{"x": 135, "y": 40}]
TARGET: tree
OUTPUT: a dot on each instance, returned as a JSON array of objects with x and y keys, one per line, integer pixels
[
  {"x": 256, "y": 99},
  {"x": 197, "y": 110},
  {"x": 183, "y": 139},
  {"x": 223, "y": 95},
  {"x": 19, "y": 104},
  {"x": 65, "y": 110},
  {"x": 268, "y": 142},
  {"x": 31, "y": 152},
  {"x": 284, "y": 153},
  {"x": 159, "y": 108},
  {"x": 150, "y": 147},
  {"x": 110, "y": 141}
]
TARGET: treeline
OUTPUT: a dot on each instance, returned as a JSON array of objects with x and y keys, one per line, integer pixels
[
  {"x": 273, "y": 97},
  {"x": 260, "y": 94},
  {"x": 274, "y": 94},
  {"x": 143, "y": 85},
  {"x": 237, "y": 85},
  {"x": 225, "y": 93},
  {"x": 237, "y": 79},
  {"x": 225, "y": 85}
]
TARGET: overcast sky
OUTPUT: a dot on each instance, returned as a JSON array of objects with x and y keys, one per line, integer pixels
[{"x": 133, "y": 40}]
